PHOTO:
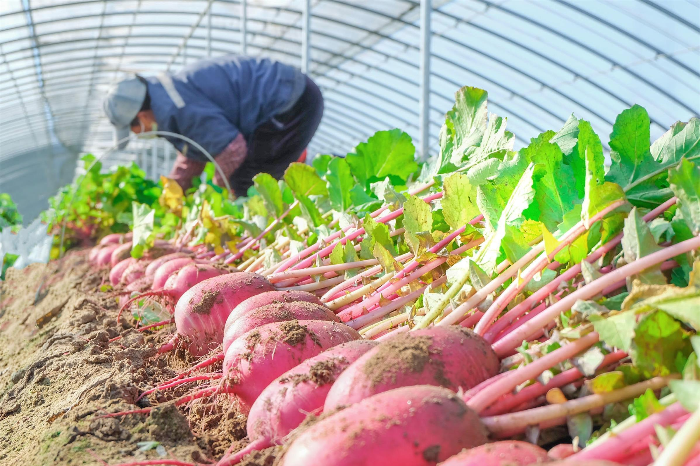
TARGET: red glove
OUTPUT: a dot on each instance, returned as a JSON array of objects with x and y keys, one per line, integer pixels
[
  {"x": 228, "y": 160},
  {"x": 185, "y": 170}
]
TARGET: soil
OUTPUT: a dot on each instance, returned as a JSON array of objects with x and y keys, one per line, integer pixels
[
  {"x": 404, "y": 354},
  {"x": 59, "y": 373}
]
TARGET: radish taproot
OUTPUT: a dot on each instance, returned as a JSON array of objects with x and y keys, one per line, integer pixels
[
  {"x": 115, "y": 238},
  {"x": 277, "y": 312},
  {"x": 285, "y": 403},
  {"x": 408, "y": 426},
  {"x": 451, "y": 357},
  {"x": 505, "y": 453},
  {"x": 201, "y": 312},
  {"x": 258, "y": 357}
]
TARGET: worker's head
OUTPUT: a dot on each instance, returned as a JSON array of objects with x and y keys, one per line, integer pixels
[{"x": 128, "y": 107}]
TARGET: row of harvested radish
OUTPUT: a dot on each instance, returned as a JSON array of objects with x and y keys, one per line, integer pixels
[{"x": 285, "y": 354}]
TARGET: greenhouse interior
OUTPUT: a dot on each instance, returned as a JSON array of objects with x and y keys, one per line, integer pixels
[{"x": 286, "y": 232}]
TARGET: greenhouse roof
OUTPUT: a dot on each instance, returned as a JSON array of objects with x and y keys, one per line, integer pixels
[{"x": 540, "y": 60}]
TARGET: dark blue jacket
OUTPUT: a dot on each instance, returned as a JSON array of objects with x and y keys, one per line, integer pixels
[{"x": 213, "y": 100}]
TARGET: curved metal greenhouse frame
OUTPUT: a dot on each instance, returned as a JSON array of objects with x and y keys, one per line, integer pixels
[{"x": 380, "y": 64}]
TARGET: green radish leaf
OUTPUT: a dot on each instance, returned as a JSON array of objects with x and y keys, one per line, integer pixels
[
  {"x": 687, "y": 392},
  {"x": 495, "y": 143},
  {"x": 340, "y": 184},
  {"x": 651, "y": 187},
  {"x": 337, "y": 255},
  {"x": 617, "y": 331},
  {"x": 662, "y": 230},
  {"x": 685, "y": 184},
  {"x": 417, "y": 215},
  {"x": 691, "y": 371},
  {"x": 638, "y": 242},
  {"x": 555, "y": 192},
  {"x": 385, "y": 191},
  {"x": 467, "y": 120},
  {"x": 320, "y": 164},
  {"x": 144, "y": 218},
  {"x": 658, "y": 340},
  {"x": 608, "y": 382},
  {"x": 506, "y": 231},
  {"x": 615, "y": 303},
  {"x": 459, "y": 201},
  {"x": 630, "y": 147},
  {"x": 589, "y": 308},
  {"x": 387, "y": 153},
  {"x": 375, "y": 232},
  {"x": 598, "y": 196},
  {"x": 580, "y": 428},
  {"x": 539, "y": 280},
  {"x": 567, "y": 140},
  {"x": 304, "y": 181},
  {"x": 310, "y": 211},
  {"x": 270, "y": 191},
  {"x": 645, "y": 405}
]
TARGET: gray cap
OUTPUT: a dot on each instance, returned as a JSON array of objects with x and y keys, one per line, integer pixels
[{"x": 122, "y": 103}]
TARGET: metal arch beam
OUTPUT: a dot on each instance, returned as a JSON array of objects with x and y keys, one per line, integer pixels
[
  {"x": 126, "y": 41},
  {"x": 585, "y": 47},
  {"x": 671, "y": 14},
  {"x": 627, "y": 34},
  {"x": 426, "y": 8},
  {"x": 496, "y": 60},
  {"x": 243, "y": 27},
  {"x": 306, "y": 36},
  {"x": 539, "y": 55},
  {"x": 94, "y": 59},
  {"x": 193, "y": 28}
]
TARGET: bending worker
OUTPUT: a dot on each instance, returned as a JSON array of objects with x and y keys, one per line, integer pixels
[{"x": 252, "y": 115}]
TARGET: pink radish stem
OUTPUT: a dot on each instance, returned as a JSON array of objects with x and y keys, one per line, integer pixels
[
  {"x": 538, "y": 264},
  {"x": 255, "y": 240},
  {"x": 522, "y": 419},
  {"x": 513, "y": 340},
  {"x": 508, "y": 402},
  {"x": 484, "y": 399},
  {"x": 615, "y": 447},
  {"x": 545, "y": 291}
]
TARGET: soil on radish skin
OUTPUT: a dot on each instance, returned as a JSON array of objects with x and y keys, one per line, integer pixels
[{"x": 58, "y": 377}]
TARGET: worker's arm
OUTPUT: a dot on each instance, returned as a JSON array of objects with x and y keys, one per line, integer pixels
[
  {"x": 186, "y": 169},
  {"x": 205, "y": 123}
]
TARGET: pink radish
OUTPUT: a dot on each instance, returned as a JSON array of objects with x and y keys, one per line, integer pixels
[
  {"x": 92, "y": 255},
  {"x": 408, "y": 426},
  {"x": 161, "y": 275},
  {"x": 285, "y": 403},
  {"x": 201, "y": 312},
  {"x": 505, "y": 453},
  {"x": 133, "y": 272},
  {"x": 263, "y": 354},
  {"x": 179, "y": 283},
  {"x": 155, "y": 264},
  {"x": 451, "y": 357},
  {"x": 278, "y": 312},
  {"x": 120, "y": 253},
  {"x": 270, "y": 297},
  {"x": 105, "y": 255},
  {"x": 115, "y": 274},
  {"x": 115, "y": 238}
]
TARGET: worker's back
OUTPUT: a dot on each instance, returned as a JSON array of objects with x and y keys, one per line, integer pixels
[{"x": 246, "y": 92}]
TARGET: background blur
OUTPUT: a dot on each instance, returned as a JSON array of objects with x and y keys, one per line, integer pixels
[{"x": 540, "y": 60}]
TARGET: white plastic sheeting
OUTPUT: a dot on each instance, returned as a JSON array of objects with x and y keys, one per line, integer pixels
[{"x": 540, "y": 60}]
